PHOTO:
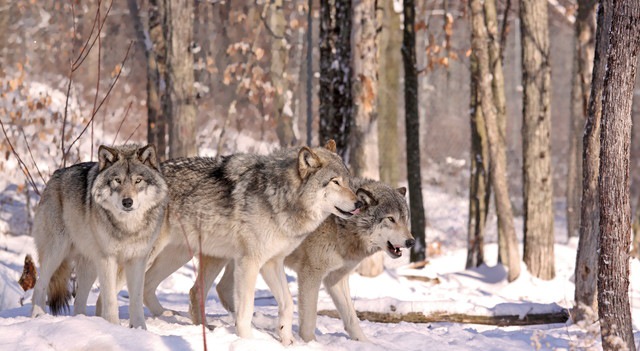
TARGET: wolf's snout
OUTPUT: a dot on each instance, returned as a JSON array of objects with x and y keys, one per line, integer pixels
[
  {"x": 409, "y": 243},
  {"x": 359, "y": 204},
  {"x": 127, "y": 202}
]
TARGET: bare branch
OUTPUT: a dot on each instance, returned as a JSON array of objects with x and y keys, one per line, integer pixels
[
  {"x": 31, "y": 155},
  {"x": 132, "y": 133},
  {"x": 21, "y": 164},
  {"x": 126, "y": 114}
]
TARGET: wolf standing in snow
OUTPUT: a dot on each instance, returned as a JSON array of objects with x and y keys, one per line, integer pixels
[
  {"x": 329, "y": 255},
  {"x": 254, "y": 210},
  {"x": 99, "y": 216}
]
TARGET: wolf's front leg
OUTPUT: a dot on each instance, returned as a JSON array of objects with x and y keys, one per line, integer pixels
[
  {"x": 134, "y": 269},
  {"x": 273, "y": 274},
  {"x": 337, "y": 284},
  {"x": 245, "y": 276},
  {"x": 169, "y": 260},
  {"x": 107, "y": 272}
]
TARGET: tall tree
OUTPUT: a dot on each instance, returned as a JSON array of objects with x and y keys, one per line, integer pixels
[
  {"x": 412, "y": 126},
  {"x": 180, "y": 108},
  {"x": 336, "y": 100},
  {"x": 536, "y": 149},
  {"x": 153, "y": 44},
  {"x": 498, "y": 170},
  {"x": 388, "y": 93},
  {"x": 584, "y": 46},
  {"x": 283, "y": 113},
  {"x": 479, "y": 186},
  {"x": 587, "y": 257},
  {"x": 364, "y": 131},
  {"x": 615, "y": 208}
]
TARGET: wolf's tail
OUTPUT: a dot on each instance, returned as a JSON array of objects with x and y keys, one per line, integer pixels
[{"x": 58, "y": 290}]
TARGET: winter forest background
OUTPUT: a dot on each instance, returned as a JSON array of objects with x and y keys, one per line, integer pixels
[{"x": 216, "y": 77}]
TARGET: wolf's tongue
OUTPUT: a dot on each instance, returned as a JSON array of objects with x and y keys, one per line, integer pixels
[{"x": 355, "y": 212}]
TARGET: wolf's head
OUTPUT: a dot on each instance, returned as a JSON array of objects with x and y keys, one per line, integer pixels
[
  {"x": 129, "y": 180},
  {"x": 385, "y": 217},
  {"x": 325, "y": 181}
]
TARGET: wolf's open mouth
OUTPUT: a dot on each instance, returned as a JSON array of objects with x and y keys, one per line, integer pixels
[
  {"x": 394, "y": 250},
  {"x": 347, "y": 214}
]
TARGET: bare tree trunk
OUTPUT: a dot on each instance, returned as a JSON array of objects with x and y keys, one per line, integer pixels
[
  {"x": 283, "y": 113},
  {"x": 180, "y": 109},
  {"x": 498, "y": 171},
  {"x": 412, "y": 126},
  {"x": 479, "y": 184},
  {"x": 388, "y": 93},
  {"x": 336, "y": 100},
  {"x": 497, "y": 87},
  {"x": 615, "y": 207},
  {"x": 585, "y": 27},
  {"x": 537, "y": 183},
  {"x": 309, "y": 80},
  {"x": 587, "y": 256},
  {"x": 364, "y": 139},
  {"x": 153, "y": 44}
]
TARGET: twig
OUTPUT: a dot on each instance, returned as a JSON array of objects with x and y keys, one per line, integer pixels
[
  {"x": 64, "y": 119},
  {"x": 21, "y": 164},
  {"x": 31, "y": 155},
  {"x": 105, "y": 97},
  {"x": 201, "y": 291},
  {"x": 95, "y": 97},
  {"x": 79, "y": 61},
  {"x": 126, "y": 113},
  {"x": 132, "y": 133}
]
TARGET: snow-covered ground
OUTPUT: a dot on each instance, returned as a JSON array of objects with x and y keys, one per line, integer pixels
[{"x": 481, "y": 291}]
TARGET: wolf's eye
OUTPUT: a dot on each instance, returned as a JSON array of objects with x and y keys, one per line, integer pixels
[
  {"x": 334, "y": 181},
  {"x": 138, "y": 180},
  {"x": 117, "y": 180},
  {"x": 391, "y": 219}
]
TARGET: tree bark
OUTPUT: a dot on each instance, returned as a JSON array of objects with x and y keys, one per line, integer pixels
[
  {"x": 412, "y": 126},
  {"x": 615, "y": 208},
  {"x": 153, "y": 44},
  {"x": 336, "y": 100},
  {"x": 479, "y": 184},
  {"x": 498, "y": 172},
  {"x": 587, "y": 256},
  {"x": 309, "y": 80},
  {"x": 584, "y": 47},
  {"x": 388, "y": 89},
  {"x": 537, "y": 182},
  {"x": 364, "y": 139},
  {"x": 180, "y": 109},
  {"x": 283, "y": 113}
]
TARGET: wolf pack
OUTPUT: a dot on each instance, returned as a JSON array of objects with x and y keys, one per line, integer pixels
[{"x": 128, "y": 219}]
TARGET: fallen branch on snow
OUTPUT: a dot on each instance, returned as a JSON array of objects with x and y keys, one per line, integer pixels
[{"x": 418, "y": 317}]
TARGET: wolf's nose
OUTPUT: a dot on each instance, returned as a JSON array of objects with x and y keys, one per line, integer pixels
[
  {"x": 127, "y": 202},
  {"x": 409, "y": 243},
  {"x": 358, "y": 204}
]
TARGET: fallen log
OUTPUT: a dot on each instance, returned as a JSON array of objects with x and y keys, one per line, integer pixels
[{"x": 418, "y": 317}]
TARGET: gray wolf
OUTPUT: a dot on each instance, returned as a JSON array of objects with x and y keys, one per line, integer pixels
[
  {"x": 99, "y": 217},
  {"x": 253, "y": 210},
  {"x": 329, "y": 254}
]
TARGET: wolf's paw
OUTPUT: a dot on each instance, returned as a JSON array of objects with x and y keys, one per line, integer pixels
[{"x": 37, "y": 311}]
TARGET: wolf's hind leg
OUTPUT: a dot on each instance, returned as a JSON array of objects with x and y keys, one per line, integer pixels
[
  {"x": 209, "y": 269},
  {"x": 51, "y": 259},
  {"x": 224, "y": 288},
  {"x": 273, "y": 274},
  {"x": 308, "y": 289},
  {"x": 337, "y": 284},
  {"x": 86, "y": 275},
  {"x": 169, "y": 260}
]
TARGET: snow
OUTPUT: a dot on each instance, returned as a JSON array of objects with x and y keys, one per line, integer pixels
[{"x": 451, "y": 289}]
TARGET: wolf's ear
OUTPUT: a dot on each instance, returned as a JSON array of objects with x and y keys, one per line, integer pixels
[
  {"x": 402, "y": 191},
  {"x": 330, "y": 145},
  {"x": 106, "y": 157},
  {"x": 366, "y": 197},
  {"x": 148, "y": 156},
  {"x": 308, "y": 162}
]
